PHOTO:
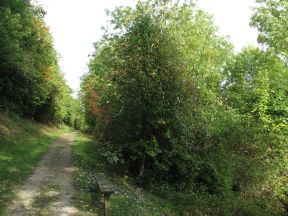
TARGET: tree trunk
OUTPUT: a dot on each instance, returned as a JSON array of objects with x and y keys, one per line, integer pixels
[
  {"x": 142, "y": 166},
  {"x": 94, "y": 131}
]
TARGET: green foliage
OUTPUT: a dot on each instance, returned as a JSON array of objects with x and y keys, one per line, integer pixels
[
  {"x": 168, "y": 100},
  {"x": 270, "y": 18},
  {"x": 142, "y": 75},
  {"x": 74, "y": 114},
  {"x": 161, "y": 199},
  {"x": 30, "y": 80},
  {"x": 256, "y": 85},
  {"x": 128, "y": 199}
]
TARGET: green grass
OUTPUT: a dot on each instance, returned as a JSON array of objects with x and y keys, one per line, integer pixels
[
  {"x": 159, "y": 199},
  {"x": 129, "y": 199},
  {"x": 22, "y": 145}
]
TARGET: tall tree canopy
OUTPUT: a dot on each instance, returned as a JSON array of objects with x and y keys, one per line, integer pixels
[
  {"x": 168, "y": 98},
  {"x": 270, "y": 18},
  {"x": 145, "y": 72},
  {"x": 30, "y": 79}
]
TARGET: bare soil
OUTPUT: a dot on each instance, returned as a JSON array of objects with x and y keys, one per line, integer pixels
[{"x": 49, "y": 190}]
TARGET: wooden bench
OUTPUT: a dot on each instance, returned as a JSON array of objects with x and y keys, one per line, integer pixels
[{"x": 106, "y": 188}]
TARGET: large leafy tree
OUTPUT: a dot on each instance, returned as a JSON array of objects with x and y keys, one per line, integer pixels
[{"x": 161, "y": 62}]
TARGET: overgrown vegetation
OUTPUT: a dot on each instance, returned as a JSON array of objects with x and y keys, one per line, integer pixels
[
  {"x": 132, "y": 199},
  {"x": 128, "y": 199},
  {"x": 22, "y": 145},
  {"x": 31, "y": 83},
  {"x": 169, "y": 100}
]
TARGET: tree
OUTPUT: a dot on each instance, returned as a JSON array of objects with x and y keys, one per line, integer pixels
[
  {"x": 30, "y": 79},
  {"x": 145, "y": 72},
  {"x": 257, "y": 85},
  {"x": 167, "y": 98},
  {"x": 271, "y": 20}
]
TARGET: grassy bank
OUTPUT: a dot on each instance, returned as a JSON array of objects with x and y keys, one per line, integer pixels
[
  {"x": 22, "y": 145},
  {"x": 128, "y": 199}
]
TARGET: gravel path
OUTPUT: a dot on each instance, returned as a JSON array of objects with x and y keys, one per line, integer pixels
[{"x": 49, "y": 190}]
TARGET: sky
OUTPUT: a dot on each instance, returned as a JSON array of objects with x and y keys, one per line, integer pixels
[{"x": 76, "y": 25}]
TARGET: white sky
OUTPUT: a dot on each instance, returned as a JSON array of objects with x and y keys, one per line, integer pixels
[{"x": 76, "y": 25}]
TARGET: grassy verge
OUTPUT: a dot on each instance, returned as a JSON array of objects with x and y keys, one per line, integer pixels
[
  {"x": 22, "y": 145},
  {"x": 128, "y": 199}
]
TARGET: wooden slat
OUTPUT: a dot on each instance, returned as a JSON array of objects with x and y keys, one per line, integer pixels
[{"x": 104, "y": 185}]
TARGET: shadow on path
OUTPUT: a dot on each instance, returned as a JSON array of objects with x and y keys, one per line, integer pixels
[{"x": 49, "y": 189}]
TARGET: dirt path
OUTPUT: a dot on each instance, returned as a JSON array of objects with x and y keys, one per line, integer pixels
[{"x": 49, "y": 190}]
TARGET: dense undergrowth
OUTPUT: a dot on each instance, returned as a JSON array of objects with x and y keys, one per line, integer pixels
[
  {"x": 129, "y": 198},
  {"x": 22, "y": 145},
  {"x": 158, "y": 198}
]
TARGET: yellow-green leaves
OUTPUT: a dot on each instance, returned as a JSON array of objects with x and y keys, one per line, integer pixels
[{"x": 30, "y": 79}]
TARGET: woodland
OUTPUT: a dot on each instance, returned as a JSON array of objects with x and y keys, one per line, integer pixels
[{"x": 168, "y": 99}]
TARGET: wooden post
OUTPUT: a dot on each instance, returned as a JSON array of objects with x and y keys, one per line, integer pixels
[
  {"x": 107, "y": 211},
  {"x": 106, "y": 188}
]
